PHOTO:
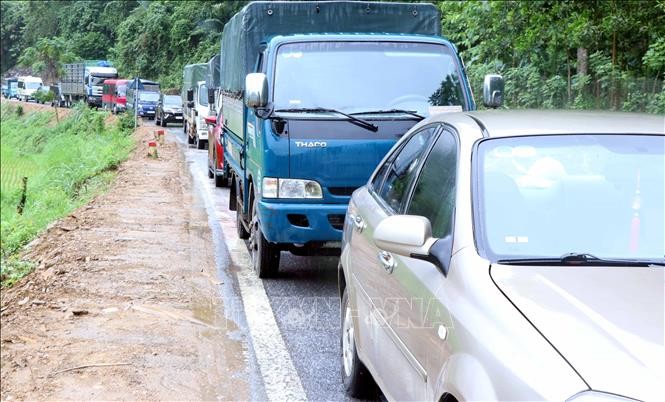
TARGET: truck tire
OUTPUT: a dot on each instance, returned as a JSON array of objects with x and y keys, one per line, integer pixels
[
  {"x": 240, "y": 228},
  {"x": 265, "y": 255},
  {"x": 223, "y": 180},
  {"x": 200, "y": 144}
]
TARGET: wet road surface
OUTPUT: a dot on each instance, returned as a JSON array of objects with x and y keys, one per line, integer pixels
[{"x": 303, "y": 297}]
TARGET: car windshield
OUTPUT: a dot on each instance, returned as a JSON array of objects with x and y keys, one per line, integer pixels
[
  {"x": 203, "y": 95},
  {"x": 355, "y": 77},
  {"x": 172, "y": 100},
  {"x": 547, "y": 196},
  {"x": 149, "y": 96}
]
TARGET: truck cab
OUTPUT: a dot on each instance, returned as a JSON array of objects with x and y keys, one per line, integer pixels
[
  {"x": 317, "y": 110},
  {"x": 27, "y": 86},
  {"x": 196, "y": 110},
  {"x": 114, "y": 95}
]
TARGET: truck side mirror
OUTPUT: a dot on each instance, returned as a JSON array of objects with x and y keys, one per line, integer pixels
[
  {"x": 493, "y": 91},
  {"x": 190, "y": 95},
  {"x": 256, "y": 90},
  {"x": 211, "y": 96}
]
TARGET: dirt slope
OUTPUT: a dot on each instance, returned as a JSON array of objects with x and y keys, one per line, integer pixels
[{"x": 126, "y": 285}]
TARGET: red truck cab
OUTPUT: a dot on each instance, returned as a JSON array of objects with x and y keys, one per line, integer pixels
[{"x": 114, "y": 95}]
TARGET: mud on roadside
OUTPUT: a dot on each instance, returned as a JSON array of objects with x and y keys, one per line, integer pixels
[{"x": 125, "y": 301}]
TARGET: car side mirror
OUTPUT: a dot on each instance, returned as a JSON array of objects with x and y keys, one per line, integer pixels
[
  {"x": 493, "y": 87},
  {"x": 411, "y": 236},
  {"x": 190, "y": 95},
  {"x": 256, "y": 90},
  {"x": 211, "y": 96}
]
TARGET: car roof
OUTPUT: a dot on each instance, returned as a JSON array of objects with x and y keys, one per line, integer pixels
[{"x": 504, "y": 123}]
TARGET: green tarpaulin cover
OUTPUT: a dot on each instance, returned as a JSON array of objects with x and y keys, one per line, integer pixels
[
  {"x": 192, "y": 74},
  {"x": 258, "y": 21},
  {"x": 214, "y": 72}
]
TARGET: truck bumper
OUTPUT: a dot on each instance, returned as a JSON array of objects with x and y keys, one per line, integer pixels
[{"x": 301, "y": 223}]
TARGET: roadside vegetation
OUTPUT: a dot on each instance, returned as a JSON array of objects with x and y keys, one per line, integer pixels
[{"x": 60, "y": 165}]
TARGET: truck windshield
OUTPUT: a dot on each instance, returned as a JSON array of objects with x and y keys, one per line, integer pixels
[
  {"x": 359, "y": 76},
  {"x": 32, "y": 85},
  {"x": 149, "y": 96}
]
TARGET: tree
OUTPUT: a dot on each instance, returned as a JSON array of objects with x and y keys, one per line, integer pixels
[{"x": 47, "y": 57}]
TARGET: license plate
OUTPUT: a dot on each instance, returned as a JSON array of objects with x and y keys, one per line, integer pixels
[{"x": 178, "y": 117}]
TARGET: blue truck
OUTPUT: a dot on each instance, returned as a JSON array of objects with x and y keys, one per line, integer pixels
[
  {"x": 10, "y": 88},
  {"x": 142, "y": 95},
  {"x": 314, "y": 94}
]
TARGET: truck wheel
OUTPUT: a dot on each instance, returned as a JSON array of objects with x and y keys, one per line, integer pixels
[
  {"x": 211, "y": 169},
  {"x": 223, "y": 180},
  {"x": 200, "y": 144},
  {"x": 358, "y": 382},
  {"x": 265, "y": 255},
  {"x": 240, "y": 228}
]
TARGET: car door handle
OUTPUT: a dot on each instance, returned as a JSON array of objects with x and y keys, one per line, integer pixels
[
  {"x": 387, "y": 261},
  {"x": 358, "y": 222}
]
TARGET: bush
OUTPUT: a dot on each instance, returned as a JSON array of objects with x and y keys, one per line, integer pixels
[{"x": 66, "y": 166}]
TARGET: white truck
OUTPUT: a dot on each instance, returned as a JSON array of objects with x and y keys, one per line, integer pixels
[
  {"x": 27, "y": 86},
  {"x": 195, "y": 104}
]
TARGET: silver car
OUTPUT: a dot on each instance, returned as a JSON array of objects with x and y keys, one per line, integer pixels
[{"x": 509, "y": 256}]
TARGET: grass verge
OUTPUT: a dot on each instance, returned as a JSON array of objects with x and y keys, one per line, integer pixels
[{"x": 66, "y": 165}]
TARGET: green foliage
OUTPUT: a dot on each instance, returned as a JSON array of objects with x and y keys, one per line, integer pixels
[
  {"x": 535, "y": 46},
  {"x": 12, "y": 269},
  {"x": 47, "y": 57},
  {"x": 66, "y": 165}
]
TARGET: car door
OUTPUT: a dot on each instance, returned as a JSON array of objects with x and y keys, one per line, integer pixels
[
  {"x": 400, "y": 375},
  {"x": 425, "y": 319}
]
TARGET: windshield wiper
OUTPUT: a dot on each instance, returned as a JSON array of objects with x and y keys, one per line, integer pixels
[
  {"x": 391, "y": 111},
  {"x": 579, "y": 259},
  {"x": 362, "y": 123}
]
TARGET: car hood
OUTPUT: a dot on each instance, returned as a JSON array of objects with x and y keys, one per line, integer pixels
[{"x": 606, "y": 321}]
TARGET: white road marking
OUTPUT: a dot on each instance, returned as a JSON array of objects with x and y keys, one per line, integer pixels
[{"x": 280, "y": 378}]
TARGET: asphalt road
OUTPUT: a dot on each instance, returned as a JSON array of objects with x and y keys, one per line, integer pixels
[{"x": 303, "y": 297}]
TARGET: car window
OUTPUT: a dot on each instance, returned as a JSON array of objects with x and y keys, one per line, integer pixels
[
  {"x": 404, "y": 167},
  {"x": 434, "y": 193}
]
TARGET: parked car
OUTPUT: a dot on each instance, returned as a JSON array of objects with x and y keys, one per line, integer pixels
[
  {"x": 169, "y": 110},
  {"x": 217, "y": 169},
  {"x": 509, "y": 256}
]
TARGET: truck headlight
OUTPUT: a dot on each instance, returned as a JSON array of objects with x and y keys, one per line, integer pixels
[
  {"x": 290, "y": 188},
  {"x": 595, "y": 396}
]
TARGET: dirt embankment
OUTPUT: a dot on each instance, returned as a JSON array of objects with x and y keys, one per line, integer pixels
[{"x": 124, "y": 303}]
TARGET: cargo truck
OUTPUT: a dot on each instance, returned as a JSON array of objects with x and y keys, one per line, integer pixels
[
  {"x": 195, "y": 103},
  {"x": 11, "y": 89},
  {"x": 142, "y": 95},
  {"x": 27, "y": 87},
  {"x": 314, "y": 94},
  {"x": 84, "y": 81}
]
